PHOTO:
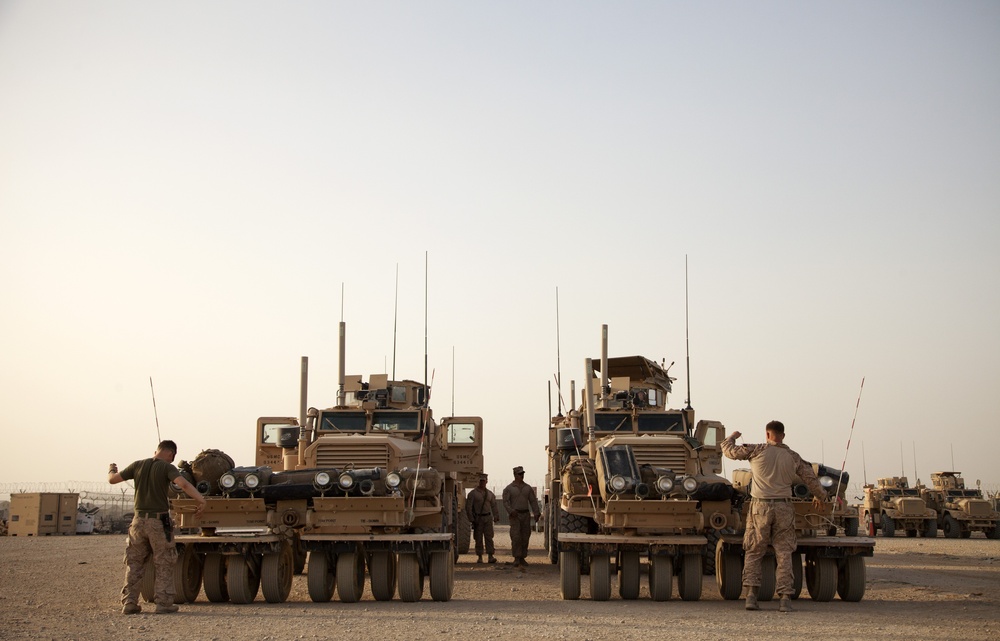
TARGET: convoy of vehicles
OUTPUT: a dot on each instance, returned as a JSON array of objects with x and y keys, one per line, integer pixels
[
  {"x": 960, "y": 510},
  {"x": 891, "y": 505}
]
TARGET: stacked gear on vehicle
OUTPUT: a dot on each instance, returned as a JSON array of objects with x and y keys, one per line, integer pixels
[
  {"x": 632, "y": 483},
  {"x": 370, "y": 487}
]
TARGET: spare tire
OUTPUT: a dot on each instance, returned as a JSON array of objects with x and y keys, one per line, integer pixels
[{"x": 209, "y": 466}]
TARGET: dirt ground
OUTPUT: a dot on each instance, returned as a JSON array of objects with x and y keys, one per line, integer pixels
[{"x": 917, "y": 589}]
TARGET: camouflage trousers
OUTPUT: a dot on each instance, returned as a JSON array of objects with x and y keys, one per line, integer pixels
[
  {"x": 520, "y": 532},
  {"x": 145, "y": 538},
  {"x": 770, "y": 524},
  {"x": 482, "y": 533}
]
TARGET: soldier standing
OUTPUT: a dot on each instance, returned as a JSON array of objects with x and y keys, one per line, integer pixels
[
  {"x": 150, "y": 531},
  {"x": 481, "y": 508},
  {"x": 520, "y": 502},
  {"x": 771, "y": 520}
]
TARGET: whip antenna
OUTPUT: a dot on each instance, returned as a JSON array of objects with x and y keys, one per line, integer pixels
[
  {"x": 558, "y": 359},
  {"x": 844, "y": 464},
  {"x": 395, "y": 315},
  {"x": 154, "y": 409},
  {"x": 687, "y": 339}
]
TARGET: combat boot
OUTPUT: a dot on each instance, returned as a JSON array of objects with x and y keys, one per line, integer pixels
[
  {"x": 785, "y": 605},
  {"x": 493, "y": 559},
  {"x": 131, "y": 608},
  {"x": 479, "y": 559},
  {"x": 166, "y": 609},
  {"x": 752, "y": 598}
]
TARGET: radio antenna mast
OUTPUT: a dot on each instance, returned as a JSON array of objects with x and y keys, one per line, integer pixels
[
  {"x": 157, "y": 416},
  {"x": 427, "y": 389},
  {"x": 395, "y": 316},
  {"x": 840, "y": 478},
  {"x": 558, "y": 359},
  {"x": 687, "y": 339}
]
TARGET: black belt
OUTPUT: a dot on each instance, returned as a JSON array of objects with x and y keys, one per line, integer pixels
[
  {"x": 522, "y": 511},
  {"x": 773, "y": 500},
  {"x": 149, "y": 515}
]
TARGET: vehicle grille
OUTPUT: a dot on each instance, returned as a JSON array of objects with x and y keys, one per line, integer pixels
[
  {"x": 979, "y": 508},
  {"x": 361, "y": 455},
  {"x": 674, "y": 457},
  {"x": 912, "y": 506}
]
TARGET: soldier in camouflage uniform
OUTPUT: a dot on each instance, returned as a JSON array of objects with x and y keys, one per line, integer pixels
[
  {"x": 149, "y": 532},
  {"x": 520, "y": 502},
  {"x": 481, "y": 508},
  {"x": 771, "y": 519}
]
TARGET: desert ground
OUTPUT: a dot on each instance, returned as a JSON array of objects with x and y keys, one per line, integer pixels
[{"x": 917, "y": 589}]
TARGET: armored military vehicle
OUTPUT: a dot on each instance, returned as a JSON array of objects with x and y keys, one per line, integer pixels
[
  {"x": 643, "y": 488},
  {"x": 834, "y": 565},
  {"x": 960, "y": 511},
  {"x": 372, "y": 482},
  {"x": 892, "y": 505}
]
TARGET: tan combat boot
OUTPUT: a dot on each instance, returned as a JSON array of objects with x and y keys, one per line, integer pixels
[
  {"x": 131, "y": 608},
  {"x": 166, "y": 609},
  {"x": 752, "y": 598},
  {"x": 785, "y": 605}
]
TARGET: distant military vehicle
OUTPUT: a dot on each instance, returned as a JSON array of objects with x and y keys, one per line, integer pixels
[
  {"x": 960, "y": 511},
  {"x": 892, "y": 505},
  {"x": 371, "y": 482},
  {"x": 834, "y": 565},
  {"x": 643, "y": 486}
]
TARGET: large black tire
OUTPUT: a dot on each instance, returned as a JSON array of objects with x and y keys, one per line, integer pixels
[
  {"x": 728, "y": 571},
  {"x": 821, "y": 578},
  {"x": 382, "y": 570},
  {"x": 850, "y": 526},
  {"x": 320, "y": 576},
  {"x": 575, "y": 524},
  {"x": 463, "y": 535},
  {"x": 628, "y": 574},
  {"x": 851, "y": 578},
  {"x": 993, "y": 532},
  {"x": 708, "y": 552},
  {"x": 411, "y": 580},
  {"x": 569, "y": 574},
  {"x": 242, "y": 577},
  {"x": 442, "y": 576},
  {"x": 796, "y": 574},
  {"x": 952, "y": 529},
  {"x": 930, "y": 529},
  {"x": 689, "y": 577},
  {"x": 661, "y": 577},
  {"x": 276, "y": 570},
  {"x": 768, "y": 578},
  {"x": 187, "y": 575},
  {"x": 552, "y": 532},
  {"x": 911, "y": 533},
  {"x": 214, "y": 578},
  {"x": 888, "y": 526},
  {"x": 600, "y": 576},
  {"x": 147, "y": 589},
  {"x": 350, "y": 576}
]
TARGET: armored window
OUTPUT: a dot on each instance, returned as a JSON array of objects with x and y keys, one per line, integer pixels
[
  {"x": 342, "y": 422},
  {"x": 612, "y": 422},
  {"x": 661, "y": 423},
  {"x": 396, "y": 422},
  {"x": 397, "y": 394},
  {"x": 461, "y": 433}
]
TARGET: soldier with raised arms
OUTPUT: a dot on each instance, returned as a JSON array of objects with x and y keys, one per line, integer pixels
[
  {"x": 150, "y": 531},
  {"x": 771, "y": 519}
]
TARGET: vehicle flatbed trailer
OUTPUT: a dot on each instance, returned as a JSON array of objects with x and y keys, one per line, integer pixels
[
  {"x": 834, "y": 565},
  {"x": 664, "y": 552}
]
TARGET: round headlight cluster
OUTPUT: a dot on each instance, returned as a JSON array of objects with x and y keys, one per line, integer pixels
[
  {"x": 664, "y": 484},
  {"x": 392, "y": 480},
  {"x": 346, "y": 481},
  {"x": 322, "y": 479},
  {"x": 826, "y": 481},
  {"x": 227, "y": 481},
  {"x": 617, "y": 483},
  {"x": 690, "y": 484},
  {"x": 252, "y": 481}
]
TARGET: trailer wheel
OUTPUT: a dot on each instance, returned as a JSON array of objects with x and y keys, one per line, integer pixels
[
  {"x": 276, "y": 570},
  {"x": 242, "y": 577},
  {"x": 382, "y": 568},
  {"x": 851, "y": 579},
  {"x": 320, "y": 576},
  {"x": 661, "y": 577},
  {"x": 214, "y": 578},
  {"x": 821, "y": 577},
  {"x": 350, "y": 576},
  {"x": 600, "y": 576},
  {"x": 768, "y": 578},
  {"x": 187, "y": 575},
  {"x": 411, "y": 581},
  {"x": 850, "y": 526},
  {"x": 708, "y": 552},
  {"x": 796, "y": 574},
  {"x": 442, "y": 575},
  {"x": 147, "y": 589},
  {"x": 888, "y": 526},
  {"x": 464, "y": 533},
  {"x": 569, "y": 574},
  {"x": 628, "y": 574},
  {"x": 728, "y": 571},
  {"x": 952, "y": 530},
  {"x": 575, "y": 524},
  {"x": 689, "y": 579}
]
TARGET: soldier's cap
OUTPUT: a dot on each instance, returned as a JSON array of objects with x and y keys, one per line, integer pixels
[
  {"x": 484, "y": 477},
  {"x": 518, "y": 470}
]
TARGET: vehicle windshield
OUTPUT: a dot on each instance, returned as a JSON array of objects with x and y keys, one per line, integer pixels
[
  {"x": 342, "y": 422},
  {"x": 963, "y": 494},
  {"x": 902, "y": 492},
  {"x": 612, "y": 422},
  {"x": 660, "y": 422},
  {"x": 396, "y": 422}
]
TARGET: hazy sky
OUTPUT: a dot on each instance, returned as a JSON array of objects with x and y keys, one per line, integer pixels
[{"x": 186, "y": 188}]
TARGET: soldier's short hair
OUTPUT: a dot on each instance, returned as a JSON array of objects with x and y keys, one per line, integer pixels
[
  {"x": 168, "y": 445},
  {"x": 776, "y": 426}
]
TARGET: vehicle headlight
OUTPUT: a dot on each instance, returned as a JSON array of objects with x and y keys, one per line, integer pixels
[
  {"x": 251, "y": 481},
  {"x": 392, "y": 480},
  {"x": 618, "y": 483},
  {"x": 664, "y": 484},
  {"x": 346, "y": 481},
  {"x": 690, "y": 484},
  {"x": 322, "y": 479},
  {"x": 826, "y": 481},
  {"x": 227, "y": 481}
]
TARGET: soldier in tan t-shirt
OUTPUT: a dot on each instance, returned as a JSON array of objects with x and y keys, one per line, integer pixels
[{"x": 771, "y": 519}]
